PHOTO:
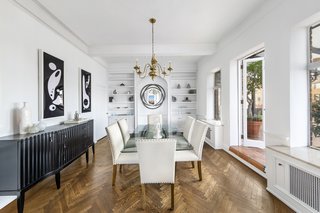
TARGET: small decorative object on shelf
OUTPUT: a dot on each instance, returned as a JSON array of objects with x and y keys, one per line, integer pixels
[
  {"x": 188, "y": 86},
  {"x": 131, "y": 98},
  {"x": 25, "y": 119},
  {"x": 115, "y": 91},
  {"x": 76, "y": 116},
  {"x": 174, "y": 99},
  {"x": 129, "y": 92},
  {"x": 192, "y": 91},
  {"x": 110, "y": 99},
  {"x": 186, "y": 100},
  {"x": 122, "y": 85},
  {"x": 179, "y": 86},
  {"x": 34, "y": 129},
  {"x": 42, "y": 126}
]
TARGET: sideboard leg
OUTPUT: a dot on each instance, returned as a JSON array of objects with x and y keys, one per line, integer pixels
[
  {"x": 87, "y": 156},
  {"x": 57, "y": 177},
  {"x": 20, "y": 202},
  {"x": 93, "y": 148}
]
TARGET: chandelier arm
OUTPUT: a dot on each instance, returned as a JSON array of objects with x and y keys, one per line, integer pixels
[{"x": 146, "y": 67}]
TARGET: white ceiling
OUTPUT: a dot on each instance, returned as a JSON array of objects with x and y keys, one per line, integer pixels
[{"x": 125, "y": 22}]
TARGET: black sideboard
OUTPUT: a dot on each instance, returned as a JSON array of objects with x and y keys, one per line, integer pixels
[{"x": 27, "y": 159}]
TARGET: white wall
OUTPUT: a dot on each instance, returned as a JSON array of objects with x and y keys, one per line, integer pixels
[
  {"x": 277, "y": 26},
  {"x": 21, "y": 37}
]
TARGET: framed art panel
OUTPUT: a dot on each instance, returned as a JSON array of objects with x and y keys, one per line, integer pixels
[
  {"x": 51, "y": 86},
  {"x": 85, "y": 91}
]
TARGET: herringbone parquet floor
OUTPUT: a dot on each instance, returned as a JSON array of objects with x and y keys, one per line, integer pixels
[{"x": 227, "y": 186}]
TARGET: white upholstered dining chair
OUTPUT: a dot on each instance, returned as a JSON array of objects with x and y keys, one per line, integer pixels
[
  {"x": 156, "y": 163},
  {"x": 123, "y": 124},
  {"x": 154, "y": 119},
  {"x": 116, "y": 145},
  {"x": 188, "y": 126},
  {"x": 197, "y": 140}
]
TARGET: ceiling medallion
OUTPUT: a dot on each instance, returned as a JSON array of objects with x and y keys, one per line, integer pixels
[{"x": 153, "y": 69}]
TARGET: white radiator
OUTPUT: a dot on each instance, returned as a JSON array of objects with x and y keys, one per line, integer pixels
[{"x": 305, "y": 187}]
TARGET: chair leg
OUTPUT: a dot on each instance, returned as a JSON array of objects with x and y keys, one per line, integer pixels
[
  {"x": 199, "y": 171},
  {"x": 114, "y": 174},
  {"x": 120, "y": 168},
  {"x": 192, "y": 164},
  {"x": 143, "y": 188},
  {"x": 172, "y": 196}
]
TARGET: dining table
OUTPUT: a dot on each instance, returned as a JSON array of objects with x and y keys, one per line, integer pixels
[{"x": 143, "y": 132}]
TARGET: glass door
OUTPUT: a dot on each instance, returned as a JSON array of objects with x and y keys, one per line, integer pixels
[{"x": 252, "y": 102}]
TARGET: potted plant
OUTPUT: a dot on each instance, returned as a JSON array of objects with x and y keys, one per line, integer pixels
[
  {"x": 254, "y": 84},
  {"x": 253, "y": 126}
]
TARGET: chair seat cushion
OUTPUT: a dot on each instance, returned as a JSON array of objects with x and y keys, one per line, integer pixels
[
  {"x": 128, "y": 158},
  {"x": 186, "y": 155}
]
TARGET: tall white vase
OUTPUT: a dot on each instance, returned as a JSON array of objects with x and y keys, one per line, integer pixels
[{"x": 25, "y": 119}]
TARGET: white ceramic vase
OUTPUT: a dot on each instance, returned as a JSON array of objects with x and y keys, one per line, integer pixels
[{"x": 25, "y": 119}]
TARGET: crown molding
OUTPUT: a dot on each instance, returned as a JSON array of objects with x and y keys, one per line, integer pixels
[
  {"x": 34, "y": 8},
  {"x": 145, "y": 50}
]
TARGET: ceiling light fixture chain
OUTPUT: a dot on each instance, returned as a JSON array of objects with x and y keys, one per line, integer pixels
[{"x": 155, "y": 69}]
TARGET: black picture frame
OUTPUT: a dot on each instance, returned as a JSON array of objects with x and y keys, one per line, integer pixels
[
  {"x": 85, "y": 91},
  {"x": 51, "y": 86}
]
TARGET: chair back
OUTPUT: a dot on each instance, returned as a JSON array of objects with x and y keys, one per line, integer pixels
[
  {"x": 124, "y": 130},
  {"x": 199, "y": 132},
  {"x": 154, "y": 119},
  {"x": 187, "y": 129},
  {"x": 116, "y": 141},
  {"x": 156, "y": 160}
]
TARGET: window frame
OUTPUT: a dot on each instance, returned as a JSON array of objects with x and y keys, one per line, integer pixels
[
  {"x": 310, "y": 67},
  {"x": 218, "y": 89}
]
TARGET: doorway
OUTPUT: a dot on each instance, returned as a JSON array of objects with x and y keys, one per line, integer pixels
[
  {"x": 252, "y": 116},
  {"x": 251, "y": 95}
]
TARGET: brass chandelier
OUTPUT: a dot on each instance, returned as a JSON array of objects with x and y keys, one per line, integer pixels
[{"x": 154, "y": 68}]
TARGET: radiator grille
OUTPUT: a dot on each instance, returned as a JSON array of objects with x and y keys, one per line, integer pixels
[{"x": 305, "y": 187}]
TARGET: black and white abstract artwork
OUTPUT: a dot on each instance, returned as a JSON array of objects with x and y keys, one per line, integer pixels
[
  {"x": 85, "y": 91},
  {"x": 51, "y": 86}
]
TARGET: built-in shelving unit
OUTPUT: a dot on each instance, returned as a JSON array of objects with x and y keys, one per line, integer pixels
[
  {"x": 183, "y": 98},
  {"x": 121, "y": 102}
]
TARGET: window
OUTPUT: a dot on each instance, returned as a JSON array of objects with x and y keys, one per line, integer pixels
[
  {"x": 217, "y": 96},
  {"x": 314, "y": 85}
]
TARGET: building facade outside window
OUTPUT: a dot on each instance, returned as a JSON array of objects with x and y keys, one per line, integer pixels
[{"x": 314, "y": 84}]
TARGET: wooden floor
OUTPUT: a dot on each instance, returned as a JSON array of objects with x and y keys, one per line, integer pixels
[
  {"x": 253, "y": 155},
  {"x": 227, "y": 186}
]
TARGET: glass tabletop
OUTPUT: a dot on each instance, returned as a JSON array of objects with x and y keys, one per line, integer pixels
[{"x": 155, "y": 132}]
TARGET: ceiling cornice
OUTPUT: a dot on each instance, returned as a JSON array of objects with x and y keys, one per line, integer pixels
[
  {"x": 43, "y": 15},
  {"x": 160, "y": 50},
  {"x": 46, "y": 17}
]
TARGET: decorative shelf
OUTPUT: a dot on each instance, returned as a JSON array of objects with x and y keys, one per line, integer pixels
[
  {"x": 121, "y": 87},
  {"x": 121, "y": 94},
  {"x": 122, "y": 79},
  {"x": 187, "y": 94},
  {"x": 184, "y": 88},
  {"x": 189, "y": 102},
  {"x": 121, "y": 109},
  {"x": 185, "y": 108},
  {"x": 115, "y": 102}
]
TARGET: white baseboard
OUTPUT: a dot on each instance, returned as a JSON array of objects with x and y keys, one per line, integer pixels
[{"x": 290, "y": 201}]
